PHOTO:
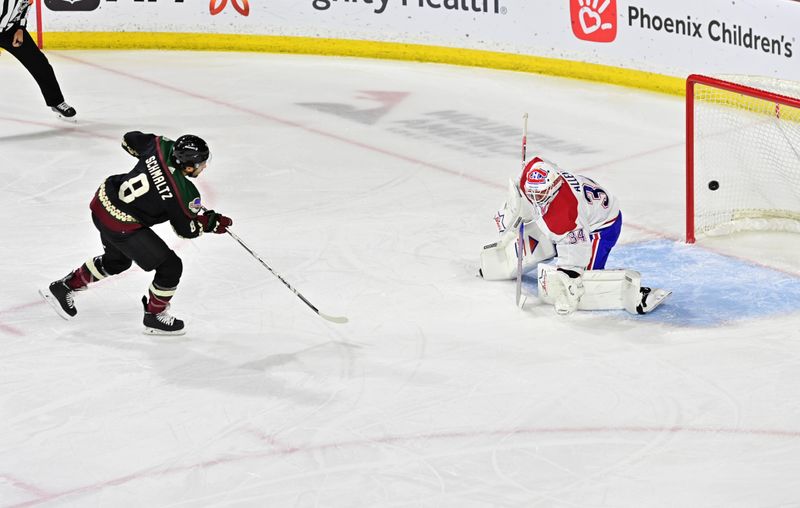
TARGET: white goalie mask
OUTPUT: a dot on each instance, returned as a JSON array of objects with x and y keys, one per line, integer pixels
[{"x": 540, "y": 181}]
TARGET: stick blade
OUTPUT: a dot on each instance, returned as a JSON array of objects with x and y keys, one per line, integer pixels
[{"x": 334, "y": 319}]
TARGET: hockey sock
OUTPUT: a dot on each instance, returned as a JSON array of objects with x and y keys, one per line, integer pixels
[
  {"x": 90, "y": 271},
  {"x": 159, "y": 298}
]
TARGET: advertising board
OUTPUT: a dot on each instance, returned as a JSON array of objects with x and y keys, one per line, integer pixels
[{"x": 670, "y": 38}]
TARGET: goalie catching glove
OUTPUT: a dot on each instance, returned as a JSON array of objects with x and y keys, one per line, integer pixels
[{"x": 213, "y": 222}]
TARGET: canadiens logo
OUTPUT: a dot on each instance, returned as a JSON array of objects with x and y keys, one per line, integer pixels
[{"x": 536, "y": 176}]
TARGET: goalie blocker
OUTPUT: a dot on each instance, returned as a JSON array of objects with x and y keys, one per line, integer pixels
[
  {"x": 597, "y": 290},
  {"x": 499, "y": 259}
]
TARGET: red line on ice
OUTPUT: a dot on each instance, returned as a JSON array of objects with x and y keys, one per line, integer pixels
[{"x": 435, "y": 436}]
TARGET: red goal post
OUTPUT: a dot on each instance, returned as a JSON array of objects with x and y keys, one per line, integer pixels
[
  {"x": 742, "y": 155},
  {"x": 39, "y": 35}
]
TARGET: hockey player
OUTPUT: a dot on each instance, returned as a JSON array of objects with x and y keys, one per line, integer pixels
[
  {"x": 574, "y": 219},
  {"x": 124, "y": 208}
]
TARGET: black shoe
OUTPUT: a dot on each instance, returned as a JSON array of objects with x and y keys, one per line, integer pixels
[
  {"x": 161, "y": 323},
  {"x": 61, "y": 297},
  {"x": 65, "y": 111}
]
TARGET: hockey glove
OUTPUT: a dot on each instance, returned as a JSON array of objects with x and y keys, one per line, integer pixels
[{"x": 214, "y": 222}]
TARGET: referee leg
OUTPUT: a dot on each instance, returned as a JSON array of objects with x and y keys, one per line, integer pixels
[{"x": 29, "y": 55}]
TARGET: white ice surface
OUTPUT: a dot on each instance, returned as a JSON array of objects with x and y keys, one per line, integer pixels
[{"x": 439, "y": 392}]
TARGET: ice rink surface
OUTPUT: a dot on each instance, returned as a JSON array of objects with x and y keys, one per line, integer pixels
[{"x": 371, "y": 186}]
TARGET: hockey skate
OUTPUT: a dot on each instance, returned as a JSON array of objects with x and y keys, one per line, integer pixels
[
  {"x": 162, "y": 323},
  {"x": 61, "y": 297},
  {"x": 651, "y": 298},
  {"x": 65, "y": 112}
]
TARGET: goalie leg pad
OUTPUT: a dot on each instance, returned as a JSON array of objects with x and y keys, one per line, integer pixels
[
  {"x": 568, "y": 294},
  {"x": 603, "y": 290}
]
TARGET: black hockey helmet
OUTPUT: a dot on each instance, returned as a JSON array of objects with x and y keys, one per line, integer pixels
[{"x": 190, "y": 150}]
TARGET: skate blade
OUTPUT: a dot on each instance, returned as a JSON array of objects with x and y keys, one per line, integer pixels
[
  {"x": 658, "y": 297},
  {"x": 156, "y": 331},
  {"x": 48, "y": 297}
]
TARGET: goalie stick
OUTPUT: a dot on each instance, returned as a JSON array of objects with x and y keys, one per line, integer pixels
[
  {"x": 332, "y": 319},
  {"x": 520, "y": 237}
]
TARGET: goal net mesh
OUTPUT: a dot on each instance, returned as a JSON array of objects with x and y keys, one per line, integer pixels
[{"x": 746, "y": 173}]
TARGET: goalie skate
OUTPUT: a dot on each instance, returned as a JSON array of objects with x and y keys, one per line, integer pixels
[{"x": 651, "y": 298}]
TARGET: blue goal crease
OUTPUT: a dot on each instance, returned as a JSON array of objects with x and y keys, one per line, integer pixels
[{"x": 708, "y": 289}]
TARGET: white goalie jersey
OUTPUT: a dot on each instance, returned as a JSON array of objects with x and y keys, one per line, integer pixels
[{"x": 577, "y": 208}]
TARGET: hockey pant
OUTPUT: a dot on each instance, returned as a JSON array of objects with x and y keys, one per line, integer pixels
[
  {"x": 146, "y": 249},
  {"x": 603, "y": 240}
]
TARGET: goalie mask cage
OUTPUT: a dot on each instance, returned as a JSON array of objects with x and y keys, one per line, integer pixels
[{"x": 742, "y": 155}]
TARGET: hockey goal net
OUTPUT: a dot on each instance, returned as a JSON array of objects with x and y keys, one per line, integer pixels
[{"x": 742, "y": 155}]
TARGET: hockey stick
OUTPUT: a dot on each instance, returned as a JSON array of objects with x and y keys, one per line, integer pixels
[
  {"x": 332, "y": 319},
  {"x": 520, "y": 237}
]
